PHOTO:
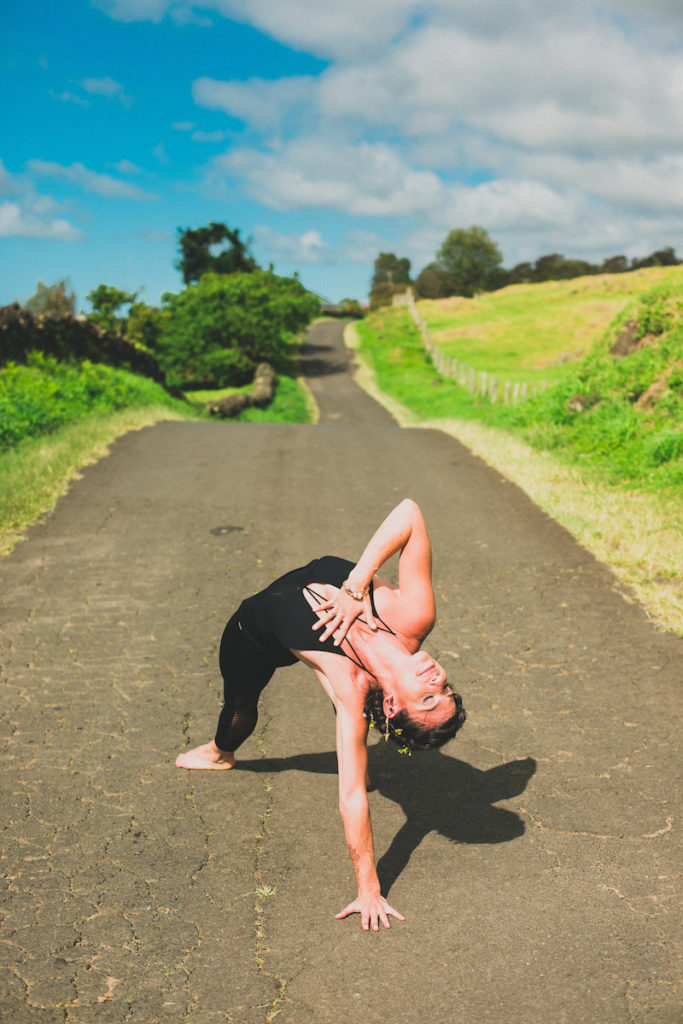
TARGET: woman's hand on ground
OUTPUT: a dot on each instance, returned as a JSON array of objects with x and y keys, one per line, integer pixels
[
  {"x": 338, "y": 613},
  {"x": 372, "y": 910}
]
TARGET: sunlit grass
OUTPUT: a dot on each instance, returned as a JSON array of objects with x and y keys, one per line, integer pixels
[
  {"x": 291, "y": 402},
  {"x": 638, "y": 534},
  {"x": 35, "y": 473},
  {"x": 532, "y": 332}
]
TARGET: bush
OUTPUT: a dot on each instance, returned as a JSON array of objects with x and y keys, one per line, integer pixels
[
  {"x": 45, "y": 394},
  {"x": 67, "y": 338},
  {"x": 250, "y": 315}
]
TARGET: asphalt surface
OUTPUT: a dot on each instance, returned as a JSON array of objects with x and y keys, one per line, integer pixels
[{"x": 534, "y": 858}]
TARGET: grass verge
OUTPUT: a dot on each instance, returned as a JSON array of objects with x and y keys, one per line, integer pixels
[
  {"x": 36, "y": 472},
  {"x": 291, "y": 403},
  {"x": 638, "y": 534}
]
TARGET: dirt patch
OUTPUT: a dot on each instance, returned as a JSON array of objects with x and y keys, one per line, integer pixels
[
  {"x": 629, "y": 342},
  {"x": 657, "y": 390}
]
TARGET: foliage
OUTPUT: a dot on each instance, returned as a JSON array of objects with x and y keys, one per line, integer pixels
[
  {"x": 290, "y": 405},
  {"x": 144, "y": 326},
  {"x": 217, "y": 330},
  {"x": 448, "y": 273},
  {"x": 383, "y": 294},
  {"x": 51, "y": 299},
  {"x": 392, "y": 269},
  {"x": 629, "y": 429},
  {"x": 432, "y": 282},
  {"x": 44, "y": 394},
  {"x": 391, "y": 275},
  {"x": 198, "y": 255},
  {"x": 536, "y": 332},
  {"x": 106, "y": 301},
  {"x": 470, "y": 261},
  {"x": 351, "y": 307},
  {"x": 68, "y": 338}
]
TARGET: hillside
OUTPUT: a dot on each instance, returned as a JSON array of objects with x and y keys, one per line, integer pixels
[
  {"x": 533, "y": 332},
  {"x": 601, "y": 449}
]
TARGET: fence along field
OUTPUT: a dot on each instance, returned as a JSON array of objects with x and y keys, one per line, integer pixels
[{"x": 513, "y": 343}]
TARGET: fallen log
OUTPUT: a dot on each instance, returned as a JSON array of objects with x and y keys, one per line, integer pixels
[{"x": 261, "y": 395}]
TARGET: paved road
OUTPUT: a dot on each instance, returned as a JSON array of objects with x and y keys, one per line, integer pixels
[{"x": 534, "y": 857}]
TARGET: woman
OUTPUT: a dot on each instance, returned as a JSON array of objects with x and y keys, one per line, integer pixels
[{"x": 362, "y": 638}]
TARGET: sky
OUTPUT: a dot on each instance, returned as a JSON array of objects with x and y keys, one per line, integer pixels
[{"x": 330, "y": 132}]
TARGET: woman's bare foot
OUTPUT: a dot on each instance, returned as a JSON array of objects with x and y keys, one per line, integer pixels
[{"x": 208, "y": 756}]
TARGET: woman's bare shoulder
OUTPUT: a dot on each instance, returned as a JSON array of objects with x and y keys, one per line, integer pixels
[{"x": 404, "y": 617}]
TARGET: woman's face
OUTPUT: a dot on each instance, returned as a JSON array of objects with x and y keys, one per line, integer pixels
[{"x": 422, "y": 690}]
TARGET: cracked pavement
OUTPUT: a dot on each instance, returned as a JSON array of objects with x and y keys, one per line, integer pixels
[{"x": 535, "y": 857}]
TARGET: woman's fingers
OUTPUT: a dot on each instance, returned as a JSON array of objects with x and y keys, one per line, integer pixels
[
  {"x": 337, "y": 615},
  {"x": 351, "y": 909},
  {"x": 372, "y": 911},
  {"x": 394, "y": 913}
]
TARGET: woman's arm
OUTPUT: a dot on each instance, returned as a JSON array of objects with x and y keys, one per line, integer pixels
[
  {"x": 403, "y": 530},
  {"x": 353, "y": 805}
]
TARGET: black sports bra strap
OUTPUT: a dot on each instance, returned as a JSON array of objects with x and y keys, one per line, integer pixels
[{"x": 355, "y": 657}]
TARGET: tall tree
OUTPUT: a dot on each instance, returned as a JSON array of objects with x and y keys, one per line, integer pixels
[
  {"x": 52, "y": 298},
  {"x": 471, "y": 259},
  {"x": 390, "y": 269},
  {"x": 106, "y": 302},
  {"x": 199, "y": 254}
]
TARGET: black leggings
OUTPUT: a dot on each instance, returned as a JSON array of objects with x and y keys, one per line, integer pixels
[{"x": 246, "y": 670}]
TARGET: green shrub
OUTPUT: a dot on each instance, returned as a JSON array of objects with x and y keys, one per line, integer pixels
[
  {"x": 250, "y": 314},
  {"x": 45, "y": 394}
]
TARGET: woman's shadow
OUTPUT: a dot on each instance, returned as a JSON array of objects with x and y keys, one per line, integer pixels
[{"x": 437, "y": 793}]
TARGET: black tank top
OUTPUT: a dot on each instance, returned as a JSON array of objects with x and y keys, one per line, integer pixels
[{"x": 279, "y": 618}]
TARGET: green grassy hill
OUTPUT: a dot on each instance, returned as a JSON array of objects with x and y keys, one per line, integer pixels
[
  {"x": 534, "y": 332},
  {"x": 610, "y": 348},
  {"x": 601, "y": 448}
]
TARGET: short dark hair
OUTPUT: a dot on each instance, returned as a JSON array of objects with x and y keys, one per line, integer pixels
[{"x": 405, "y": 731}]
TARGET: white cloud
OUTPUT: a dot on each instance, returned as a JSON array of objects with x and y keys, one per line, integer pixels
[
  {"x": 9, "y": 186},
  {"x": 258, "y": 102},
  {"x": 134, "y": 10},
  {"x": 109, "y": 88},
  {"x": 17, "y": 221},
  {"x": 127, "y": 167},
  {"x": 90, "y": 181},
  {"x": 69, "y": 97},
  {"x": 30, "y": 215},
  {"x": 365, "y": 180},
  {"x": 160, "y": 154},
  {"x": 308, "y": 247},
  {"x": 553, "y": 125},
  {"x": 359, "y": 27},
  {"x": 183, "y": 126},
  {"x": 216, "y": 136}
]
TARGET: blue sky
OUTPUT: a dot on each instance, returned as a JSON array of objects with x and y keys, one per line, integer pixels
[{"x": 328, "y": 133}]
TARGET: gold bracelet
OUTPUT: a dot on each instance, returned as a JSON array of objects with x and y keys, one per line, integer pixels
[{"x": 357, "y": 595}]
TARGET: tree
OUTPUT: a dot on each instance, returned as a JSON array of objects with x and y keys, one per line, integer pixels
[
  {"x": 216, "y": 331},
  {"x": 391, "y": 275},
  {"x": 661, "y": 258},
  {"x": 433, "y": 282},
  {"x": 145, "y": 325},
  {"x": 105, "y": 301},
  {"x": 471, "y": 259},
  {"x": 389, "y": 269},
  {"x": 52, "y": 298},
  {"x": 198, "y": 253},
  {"x": 614, "y": 265}
]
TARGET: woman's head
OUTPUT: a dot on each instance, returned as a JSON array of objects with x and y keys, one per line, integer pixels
[{"x": 405, "y": 730}]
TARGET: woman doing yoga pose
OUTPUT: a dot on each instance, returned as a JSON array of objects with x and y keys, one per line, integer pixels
[{"x": 361, "y": 636}]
